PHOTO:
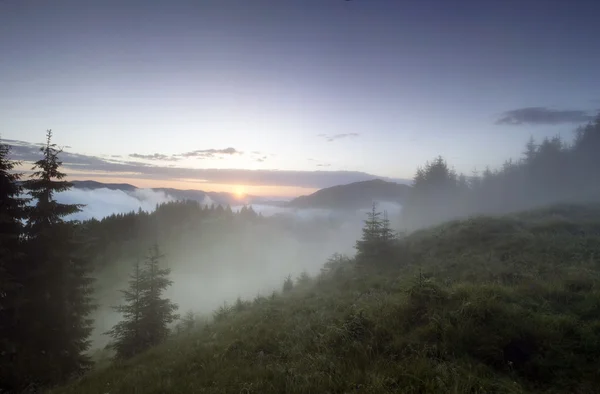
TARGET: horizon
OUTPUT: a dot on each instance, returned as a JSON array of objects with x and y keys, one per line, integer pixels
[{"x": 250, "y": 98}]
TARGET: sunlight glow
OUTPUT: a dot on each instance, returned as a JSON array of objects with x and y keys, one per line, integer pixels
[{"x": 240, "y": 192}]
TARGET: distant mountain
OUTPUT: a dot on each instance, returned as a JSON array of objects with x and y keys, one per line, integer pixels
[
  {"x": 92, "y": 185},
  {"x": 355, "y": 195}
]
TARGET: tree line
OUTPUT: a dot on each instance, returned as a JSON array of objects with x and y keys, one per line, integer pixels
[{"x": 550, "y": 171}]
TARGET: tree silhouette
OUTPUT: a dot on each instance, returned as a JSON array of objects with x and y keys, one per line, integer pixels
[
  {"x": 127, "y": 333},
  {"x": 11, "y": 264},
  {"x": 377, "y": 242},
  {"x": 146, "y": 314},
  {"x": 54, "y": 324}
]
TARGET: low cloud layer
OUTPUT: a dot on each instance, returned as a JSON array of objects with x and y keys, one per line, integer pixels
[
  {"x": 542, "y": 116},
  {"x": 100, "y": 203},
  {"x": 96, "y": 167},
  {"x": 334, "y": 137}
]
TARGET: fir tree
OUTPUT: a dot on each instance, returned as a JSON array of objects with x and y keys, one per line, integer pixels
[
  {"x": 288, "y": 284},
  {"x": 56, "y": 288},
  {"x": 376, "y": 247},
  {"x": 127, "y": 334},
  {"x": 147, "y": 315},
  {"x": 11, "y": 264},
  {"x": 157, "y": 312},
  {"x": 368, "y": 246}
]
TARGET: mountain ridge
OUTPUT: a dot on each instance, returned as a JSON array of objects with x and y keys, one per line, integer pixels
[{"x": 354, "y": 195}]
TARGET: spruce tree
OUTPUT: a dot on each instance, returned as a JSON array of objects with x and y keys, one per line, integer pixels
[
  {"x": 376, "y": 247},
  {"x": 127, "y": 333},
  {"x": 368, "y": 246},
  {"x": 11, "y": 265},
  {"x": 146, "y": 314},
  {"x": 157, "y": 312},
  {"x": 56, "y": 287},
  {"x": 288, "y": 284}
]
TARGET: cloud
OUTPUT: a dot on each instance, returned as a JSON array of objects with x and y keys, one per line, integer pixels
[
  {"x": 103, "y": 202},
  {"x": 210, "y": 153},
  {"x": 542, "y": 116},
  {"x": 96, "y": 168},
  {"x": 323, "y": 165},
  {"x": 333, "y": 137},
  {"x": 156, "y": 156}
]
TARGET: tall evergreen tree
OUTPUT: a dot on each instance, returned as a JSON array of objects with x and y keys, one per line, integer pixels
[
  {"x": 147, "y": 314},
  {"x": 368, "y": 246},
  {"x": 56, "y": 287},
  {"x": 11, "y": 264},
  {"x": 157, "y": 312},
  {"x": 127, "y": 333}
]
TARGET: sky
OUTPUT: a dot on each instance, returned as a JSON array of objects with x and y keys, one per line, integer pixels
[{"x": 281, "y": 98}]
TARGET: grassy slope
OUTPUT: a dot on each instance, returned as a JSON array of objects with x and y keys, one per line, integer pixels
[{"x": 505, "y": 305}]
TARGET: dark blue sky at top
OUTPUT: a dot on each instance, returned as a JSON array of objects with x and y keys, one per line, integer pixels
[{"x": 394, "y": 82}]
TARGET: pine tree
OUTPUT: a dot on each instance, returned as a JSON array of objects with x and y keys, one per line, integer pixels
[
  {"x": 376, "y": 247},
  {"x": 147, "y": 315},
  {"x": 54, "y": 324},
  {"x": 288, "y": 284},
  {"x": 127, "y": 334},
  {"x": 157, "y": 312},
  {"x": 11, "y": 214},
  {"x": 11, "y": 264},
  {"x": 368, "y": 246}
]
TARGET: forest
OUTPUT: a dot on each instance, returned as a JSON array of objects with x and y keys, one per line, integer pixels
[{"x": 489, "y": 301}]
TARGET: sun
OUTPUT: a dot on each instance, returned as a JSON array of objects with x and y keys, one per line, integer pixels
[{"x": 239, "y": 192}]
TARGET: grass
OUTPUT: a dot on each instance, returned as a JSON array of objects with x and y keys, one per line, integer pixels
[{"x": 487, "y": 305}]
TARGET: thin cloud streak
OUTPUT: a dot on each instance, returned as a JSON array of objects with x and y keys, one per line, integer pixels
[
  {"x": 211, "y": 153},
  {"x": 155, "y": 156},
  {"x": 542, "y": 116},
  {"x": 334, "y": 137}
]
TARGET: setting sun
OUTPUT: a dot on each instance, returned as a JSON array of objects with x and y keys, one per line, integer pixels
[{"x": 240, "y": 192}]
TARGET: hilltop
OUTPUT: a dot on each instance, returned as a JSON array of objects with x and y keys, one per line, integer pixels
[
  {"x": 354, "y": 195},
  {"x": 505, "y": 304}
]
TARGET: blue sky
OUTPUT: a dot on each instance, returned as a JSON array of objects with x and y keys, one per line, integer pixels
[{"x": 368, "y": 86}]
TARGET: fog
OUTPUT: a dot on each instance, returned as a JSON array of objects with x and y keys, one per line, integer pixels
[
  {"x": 103, "y": 202},
  {"x": 211, "y": 264}
]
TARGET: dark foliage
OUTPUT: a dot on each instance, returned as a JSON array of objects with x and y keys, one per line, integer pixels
[
  {"x": 377, "y": 245},
  {"x": 11, "y": 261},
  {"x": 147, "y": 315},
  {"x": 50, "y": 323}
]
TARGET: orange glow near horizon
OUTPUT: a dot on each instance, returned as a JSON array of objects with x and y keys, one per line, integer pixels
[{"x": 238, "y": 190}]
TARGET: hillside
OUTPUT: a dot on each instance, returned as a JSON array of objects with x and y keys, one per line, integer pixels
[
  {"x": 487, "y": 305},
  {"x": 354, "y": 195}
]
